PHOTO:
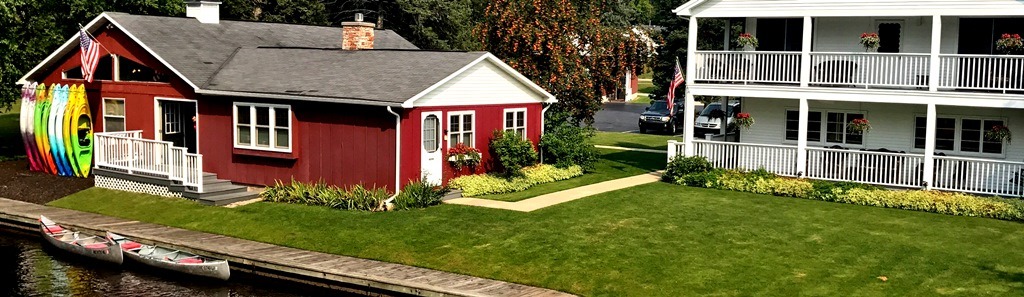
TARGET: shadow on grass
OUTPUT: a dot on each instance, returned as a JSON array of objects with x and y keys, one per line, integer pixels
[
  {"x": 624, "y": 160},
  {"x": 1002, "y": 273}
]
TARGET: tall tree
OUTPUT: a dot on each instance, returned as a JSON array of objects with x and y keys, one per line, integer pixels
[
  {"x": 307, "y": 12},
  {"x": 32, "y": 29},
  {"x": 429, "y": 24},
  {"x": 569, "y": 47},
  {"x": 673, "y": 29}
]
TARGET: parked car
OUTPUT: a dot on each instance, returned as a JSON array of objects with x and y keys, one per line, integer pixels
[{"x": 710, "y": 119}]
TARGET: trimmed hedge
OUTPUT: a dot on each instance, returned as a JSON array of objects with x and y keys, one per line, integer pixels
[
  {"x": 691, "y": 172},
  {"x": 487, "y": 184}
]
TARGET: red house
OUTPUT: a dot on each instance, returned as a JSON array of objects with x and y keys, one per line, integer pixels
[{"x": 199, "y": 107}]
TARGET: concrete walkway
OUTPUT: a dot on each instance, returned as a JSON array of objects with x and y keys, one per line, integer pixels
[{"x": 546, "y": 200}]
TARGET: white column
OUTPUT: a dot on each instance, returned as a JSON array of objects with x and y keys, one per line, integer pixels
[
  {"x": 688, "y": 111},
  {"x": 805, "y": 53},
  {"x": 725, "y": 37},
  {"x": 691, "y": 68},
  {"x": 801, "y": 143},
  {"x": 933, "y": 70},
  {"x": 724, "y": 125},
  {"x": 929, "y": 148}
]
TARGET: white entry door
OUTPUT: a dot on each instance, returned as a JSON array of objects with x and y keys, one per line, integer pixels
[{"x": 430, "y": 147}]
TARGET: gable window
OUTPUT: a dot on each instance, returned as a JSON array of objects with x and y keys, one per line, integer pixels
[
  {"x": 515, "y": 121},
  {"x": 965, "y": 135},
  {"x": 263, "y": 126},
  {"x": 104, "y": 70},
  {"x": 460, "y": 128},
  {"x": 813, "y": 125},
  {"x": 128, "y": 70},
  {"x": 113, "y": 114}
]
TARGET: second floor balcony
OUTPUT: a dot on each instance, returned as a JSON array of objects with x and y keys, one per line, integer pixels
[{"x": 965, "y": 61}]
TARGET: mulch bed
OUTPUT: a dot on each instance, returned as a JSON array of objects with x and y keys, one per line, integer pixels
[{"x": 18, "y": 183}]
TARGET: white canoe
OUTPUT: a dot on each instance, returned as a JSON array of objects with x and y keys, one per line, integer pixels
[
  {"x": 95, "y": 247},
  {"x": 171, "y": 259}
]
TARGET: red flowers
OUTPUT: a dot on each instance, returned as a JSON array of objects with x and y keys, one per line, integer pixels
[
  {"x": 861, "y": 121},
  {"x": 1010, "y": 44},
  {"x": 742, "y": 115},
  {"x": 743, "y": 120},
  {"x": 999, "y": 133},
  {"x": 866, "y": 35},
  {"x": 462, "y": 155},
  {"x": 746, "y": 39},
  {"x": 870, "y": 41},
  {"x": 858, "y": 126}
]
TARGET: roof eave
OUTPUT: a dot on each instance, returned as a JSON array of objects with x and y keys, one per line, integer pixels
[
  {"x": 687, "y": 8},
  {"x": 354, "y": 101}
]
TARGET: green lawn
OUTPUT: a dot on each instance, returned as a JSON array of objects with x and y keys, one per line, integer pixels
[
  {"x": 641, "y": 99},
  {"x": 645, "y": 87},
  {"x": 10, "y": 132},
  {"x": 652, "y": 240},
  {"x": 613, "y": 164},
  {"x": 634, "y": 140},
  {"x": 647, "y": 75}
]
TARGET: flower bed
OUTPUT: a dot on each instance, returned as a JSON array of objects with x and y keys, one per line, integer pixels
[
  {"x": 416, "y": 194},
  {"x": 697, "y": 172},
  {"x": 486, "y": 184}
]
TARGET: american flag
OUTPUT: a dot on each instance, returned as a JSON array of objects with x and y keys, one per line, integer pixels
[
  {"x": 677, "y": 79},
  {"x": 90, "y": 55}
]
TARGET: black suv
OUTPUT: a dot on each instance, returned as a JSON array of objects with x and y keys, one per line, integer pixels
[{"x": 657, "y": 117}]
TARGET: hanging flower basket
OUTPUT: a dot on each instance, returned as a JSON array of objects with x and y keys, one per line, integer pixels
[
  {"x": 747, "y": 41},
  {"x": 859, "y": 126},
  {"x": 743, "y": 121},
  {"x": 1010, "y": 44},
  {"x": 870, "y": 41},
  {"x": 999, "y": 133},
  {"x": 463, "y": 156}
]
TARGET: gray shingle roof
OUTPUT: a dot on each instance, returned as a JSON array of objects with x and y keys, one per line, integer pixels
[
  {"x": 386, "y": 76},
  {"x": 197, "y": 50}
]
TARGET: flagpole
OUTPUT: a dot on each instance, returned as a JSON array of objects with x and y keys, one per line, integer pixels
[{"x": 82, "y": 29}]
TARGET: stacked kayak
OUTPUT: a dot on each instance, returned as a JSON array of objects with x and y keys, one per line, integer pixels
[{"x": 56, "y": 126}]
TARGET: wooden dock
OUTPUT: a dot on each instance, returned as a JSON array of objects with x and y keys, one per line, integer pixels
[{"x": 313, "y": 268}]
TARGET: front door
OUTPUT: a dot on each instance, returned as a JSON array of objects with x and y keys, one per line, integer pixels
[
  {"x": 176, "y": 123},
  {"x": 430, "y": 147}
]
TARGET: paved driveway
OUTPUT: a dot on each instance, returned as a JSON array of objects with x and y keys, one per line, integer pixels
[{"x": 618, "y": 117}]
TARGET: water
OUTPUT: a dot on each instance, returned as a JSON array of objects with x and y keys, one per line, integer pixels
[{"x": 29, "y": 269}]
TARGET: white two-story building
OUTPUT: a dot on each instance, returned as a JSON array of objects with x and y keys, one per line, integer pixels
[{"x": 931, "y": 91}]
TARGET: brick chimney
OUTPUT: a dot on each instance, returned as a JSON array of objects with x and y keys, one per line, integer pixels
[{"x": 357, "y": 35}]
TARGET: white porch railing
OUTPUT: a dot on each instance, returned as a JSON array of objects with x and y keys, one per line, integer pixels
[
  {"x": 776, "y": 159},
  {"x": 870, "y": 69},
  {"x": 879, "y": 168},
  {"x": 979, "y": 176},
  {"x": 128, "y": 151},
  {"x": 759, "y": 67},
  {"x": 982, "y": 72}
]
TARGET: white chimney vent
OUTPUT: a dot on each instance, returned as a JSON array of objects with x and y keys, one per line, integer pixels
[{"x": 207, "y": 12}]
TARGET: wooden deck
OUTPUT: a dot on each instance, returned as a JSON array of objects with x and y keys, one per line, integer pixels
[{"x": 319, "y": 269}]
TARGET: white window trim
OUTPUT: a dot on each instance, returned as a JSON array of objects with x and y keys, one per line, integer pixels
[
  {"x": 824, "y": 129},
  {"x": 448, "y": 118},
  {"x": 123, "y": 117},
  {"x": 526, "y": 123},
  {"x": 252, "y": 129},
  {"x": 958, "y": 133}
]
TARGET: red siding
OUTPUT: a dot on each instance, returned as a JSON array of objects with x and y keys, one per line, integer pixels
[
  {"x": 488, "y": 118},
  {"x": 337, "y": 143},
  {"x": 139, "y": 96}
]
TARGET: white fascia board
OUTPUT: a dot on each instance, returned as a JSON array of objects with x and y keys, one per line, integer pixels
[
  {"x": 687, "y": 8},
  {"x": 411, "y": 102},
  {"x": 863, "y": 95}
]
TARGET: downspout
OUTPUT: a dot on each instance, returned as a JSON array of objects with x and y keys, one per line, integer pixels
[
  {"x": 398, "y": 154},
  {"x": 542, "y": 113}
]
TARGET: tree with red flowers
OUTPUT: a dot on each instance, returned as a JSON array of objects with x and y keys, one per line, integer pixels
[{"x": 566, "y": 48}]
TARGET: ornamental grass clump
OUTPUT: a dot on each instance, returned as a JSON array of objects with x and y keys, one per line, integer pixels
[
  {"x": 419, "y": 194},
  {"x": 321, "y": 194},
  {"x": 488, "y": 184}
]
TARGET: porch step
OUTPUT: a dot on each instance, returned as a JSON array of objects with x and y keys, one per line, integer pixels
[
  {"x": 225, "y": 199},
  {"x": 455, "y": 193}
]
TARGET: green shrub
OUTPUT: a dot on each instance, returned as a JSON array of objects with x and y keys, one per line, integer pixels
[
  {"x": 322, "y": 194},
  {"x": 567, "y": 145},
  {"x": 681, "y": 166},
  {"x": 512, "y": 152},
  {"x": 419, "y": 194},
  {"x": 701, "y": 179},
  {"x": 487, "y": 184}
]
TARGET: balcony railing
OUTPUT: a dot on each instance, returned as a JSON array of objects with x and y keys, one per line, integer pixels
[
  {"x": 981, "y": 176},
  {"x": 867, "y": 70},
  {"x": 749, "y": 67},
  {"x": 129, "y": 152}
]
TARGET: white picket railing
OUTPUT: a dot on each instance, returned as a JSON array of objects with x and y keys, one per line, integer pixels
[
  {"x": 979, "y": 176},
  {"x": 776, "y": 159},
  {"x": 758, "y": 67},
  {"x": 879, "y": 168},
  {"x": 982, "y": 72},
  {"x": 128, "y": 151},
  {"x": 870, "y": 69}
]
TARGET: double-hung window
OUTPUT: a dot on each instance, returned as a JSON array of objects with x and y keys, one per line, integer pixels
[
  {"x": 515, "y": 121},
  {"x": 963, "y": 135},
  {"x": 113, "y": 114},
  {"x": 263, "y": 126},
  {"x": 832, "y": 124},
  {"x": 460, "y": 128}
]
